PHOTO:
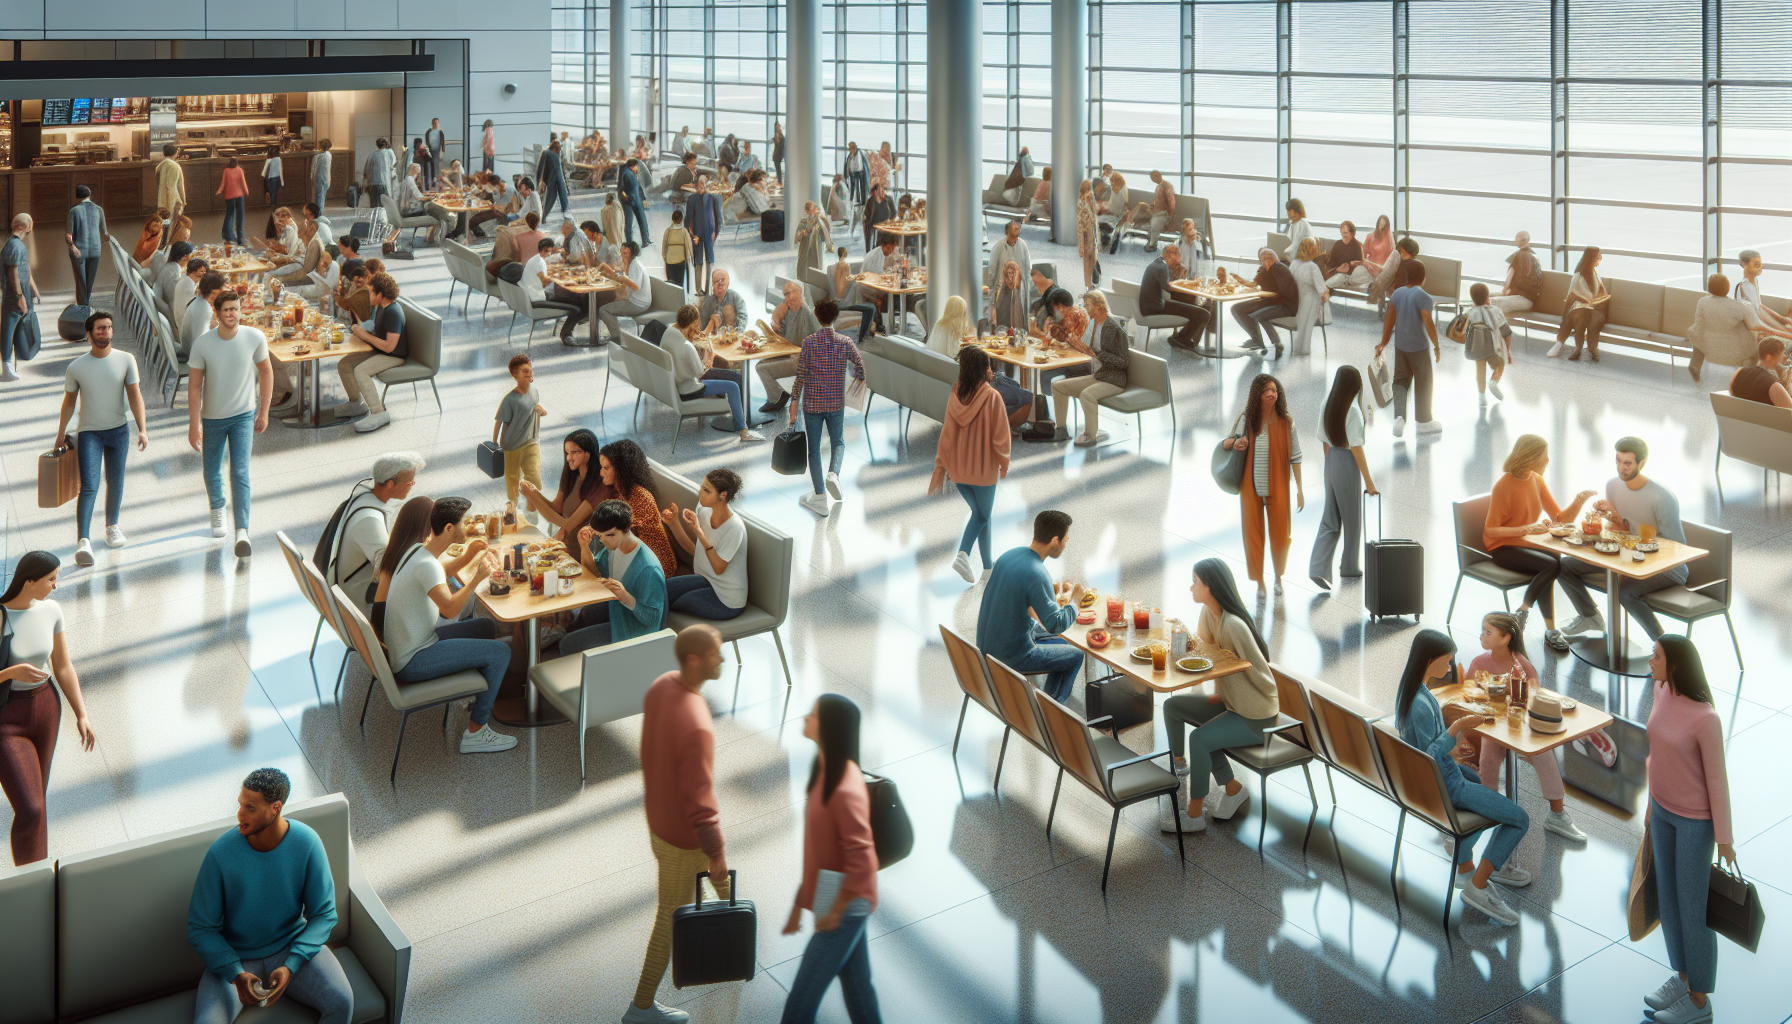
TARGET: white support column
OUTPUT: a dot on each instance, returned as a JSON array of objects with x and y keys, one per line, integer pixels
[
  {"x": 622, "y": 52},
  {"x": 954, "y": 154},
  {"x": 802, "y": 136},
  {"x": 1070, "y": 112}
]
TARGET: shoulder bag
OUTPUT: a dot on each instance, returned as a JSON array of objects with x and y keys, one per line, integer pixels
[
  {"x": 891, "y": 831},
  {"x": 1229, "y": 463},
  {"x": 1643, "y": 908},
  {"x": 1733, "y": 908}
]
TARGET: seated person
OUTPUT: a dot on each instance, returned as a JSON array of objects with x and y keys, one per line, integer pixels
[
  {"x": 581, "y": 488},
  {"x": 1194, "y": 245},
  {"x": 262, "y": 909},
  {"x": 365, "y": 530},
  {"x": 1633, "y": 501},
  {"x": 348, "y": 247},
  {"x": 353, "y": 296},
  {"x": 1040, "y": 207},
  {"x": 197, "y": 318},
  {"x": 869, "y": 302},
  {"x": 721, "y": 308},
  {"x": 1763, "y": 382},
  {"x": 413, "y": 593},
  {"x": 599, "y": 249},
  {"x": 282, "y": 245},
  {"x": 1022, "y": 611},
  {"x": 694, "y": 374},
  {"x": 629, "y": 571},
  {"x": 791, "y": 322},
  {"x": 1345, "y": 262},
  {"x": 1068, "y": 324},
  {"x": 185, "y": 288},
  {"x": 840, "y": 275},
  {"x": 545, "y": 294},
  {"x": 1389, "y": 277},
  {"x": 1040, "y": 309},
  {"x": 1726, "y": 330},
  {"x": 716, "y": 540},
  {"x": 1420, "y": 718},
  {"x": 1283, "y": 301},
  {"x": 311, "y": 258},
  {"x": 1109, "y": 343},
  {"x": 1520, "y": 498},
  {"x": 173, "y": 269},
  {"x": 1008, "y": 300},
  {"x": 1524, "y": 279},
  {"x": 1502, "y": 646},
  {"x": 637, "y": 295},
  {"x": 390, "y": 347},
  {"x": 1156, "y": 298}
]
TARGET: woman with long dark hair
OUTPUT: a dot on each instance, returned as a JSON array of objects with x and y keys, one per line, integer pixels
[
  {"x": 839, "y": 860},
  {"x": 1235, "y": 714},
  {"x": 716, "y": 540},
  {"x": 1432, "y": 661},
  {"x": 410, "y": 527},
  {"x": 581, "y": 487},
  {"x": 623, "y": 467},
  {"x": 1588, "y": 302},
  {"x": 1347, "y": 479},
  {"x": 1271, "y": 443},
  {"x": 1689, "y": 814},
  {"x": 29, "y": 721},
  {"x": 974, "y": 448}
]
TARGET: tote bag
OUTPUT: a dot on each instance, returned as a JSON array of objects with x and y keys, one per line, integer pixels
[{"x": 1229, "y": 463}]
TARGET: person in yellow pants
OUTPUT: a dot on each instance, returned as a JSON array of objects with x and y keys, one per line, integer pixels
[{"x": 517, "y": 428}]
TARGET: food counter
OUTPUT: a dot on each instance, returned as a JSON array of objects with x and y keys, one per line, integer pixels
[{"x": 127, "y": 189}]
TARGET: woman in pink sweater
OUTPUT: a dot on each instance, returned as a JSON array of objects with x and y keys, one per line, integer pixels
[
  {"x": 1689, "y": 813},
  {"x": 839, "y": 871},
  {"x": 973, "y": 451}
]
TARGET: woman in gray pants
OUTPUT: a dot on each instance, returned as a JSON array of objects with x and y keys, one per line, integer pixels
[
  {"x": 1235, "y": 715},
  {"x": 1346, "y": 479}
]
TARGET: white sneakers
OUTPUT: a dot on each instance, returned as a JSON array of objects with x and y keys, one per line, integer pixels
[
  {"x": 243, "y": 548},
  {"x": 7, "y": 376},
  {"x": 1399, "y": 426},
  {"x": 1431, "y": 427},
  {"x": 370, "y": 423},
  {"x": 489, "y": 741},
  {"x": 1682, "y": 1011},
  {"x": 217, "y": 522},
  {"x": 1229, "y": 804},
  {"x": 1488, "y": 902},
  {"x": 1671, "y": 991},
  {"x": 816, "y": 503},
  {"x": 1511, "y": 875},
  {"x": 962, "y": 566},
  {"x": 83, "y": 552},
  {"x": 1594, "y": 623},
  {"x": 658, "y": 1013},
  {"x": 1494, "y": 386},
  {"x": 1562, "y": 824},
  {"x": 348, "y": 409},
  {"x": 114, "y": 537},
  {"x": 834, "y": 487},
  {"x": 750, "y": 436},
  {"x": 1554, "y": 351}
]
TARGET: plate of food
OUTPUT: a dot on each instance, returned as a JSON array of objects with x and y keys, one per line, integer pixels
[
  {"x": 1560, "y": 530},
  {"x": 1575, "y": 539},
  {"x": 1606, "y": 547},
  {"x": 1098, "y": 638},
  {"x": 568, "y": 568},
  {"x": 1193, "y": 664},
  {"x": 1085, "y": 618},
  {"x": 1088, "y": 599},
  {"x": 1648, "y": 546},
  {"x": 301, "y": 350},
  {"x": 1476, "y": 709},
  {"x": 1144, "y": 651},
  {"x": 456, "y": 550}
]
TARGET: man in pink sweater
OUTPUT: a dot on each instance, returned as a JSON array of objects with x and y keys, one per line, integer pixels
[{"x": 678, "y": 744}]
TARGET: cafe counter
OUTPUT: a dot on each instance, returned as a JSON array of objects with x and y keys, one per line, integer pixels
[{"x": 127, "y": 189}]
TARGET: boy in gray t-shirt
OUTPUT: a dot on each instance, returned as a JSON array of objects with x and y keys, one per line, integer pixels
[{"x": 517, "y": 428}]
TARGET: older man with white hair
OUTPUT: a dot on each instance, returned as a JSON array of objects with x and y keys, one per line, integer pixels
[
  {"x": 1524, "y": 279},
  {"x": 19, "y": 337},
  {"x": 364, "y": 529},
  {"x": 792, "y": 321},
  {"x": 721, "y": 308}
]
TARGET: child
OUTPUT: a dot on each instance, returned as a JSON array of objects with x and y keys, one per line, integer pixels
[
  {"x": 675, "y": 248},
  {"x": 517, "y": 429},
  {"x": 1478, "y": 349},
  {"x": 1503, "y": 643}
]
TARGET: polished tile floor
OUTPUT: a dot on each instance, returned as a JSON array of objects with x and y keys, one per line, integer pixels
[{"x": 528, "y": 893}]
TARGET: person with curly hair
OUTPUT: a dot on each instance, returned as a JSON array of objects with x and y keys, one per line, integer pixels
[
  {"x": 1272, "y": 446},
  {"x": 622, "y": 466}
]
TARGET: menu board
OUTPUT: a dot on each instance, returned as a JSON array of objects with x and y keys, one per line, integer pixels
[
  {"x": 121, "y": 106},
  {"x": 82, "y": 111},
  {"x": 161, "y": 120},
  {"x": 58, "y": 111}
]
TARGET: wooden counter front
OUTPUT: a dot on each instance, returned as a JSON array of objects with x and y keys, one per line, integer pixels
[{"x": 127, "y": 190}]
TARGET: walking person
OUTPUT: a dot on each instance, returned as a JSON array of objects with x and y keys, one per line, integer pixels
[
  {"x": 837, "y": 840},
  {"x": 1241, "y": 706},
  {"x": 228, "y": 392},
  {"x": 1271, "y": 443},
  {"x": 1486, "y": 339},
  {"x": 1347, "y": 479},
  {"x": 320, "y": 174},
  {"x": 488, "y": 147},
  {"x": 235, "y": 190},
  {"x": 678, "y": 747},
  {"x": 1409, "y": 324},
  {"x": 1088, "y": 238},
  {"x": 171, "y": 186},
  {"x": 1689, "y": 815},
  {"x": 105, "y": 383},
  {"x": 703, "y": 218},
  {"x": 434, "y": 141},
  {"x": 552, "y": 179},
  {"x": 19, "y": 338},
  {"x": 634, "y": 202},
  {"x": 974, "y": 449},
  {"x": 31, "y": 718},
  {"x": 273, "y": 175},
  {"x": 820, "y": 392},
  {"x": 86, "y": 242},
  {"x": 1432, "y": 662}
]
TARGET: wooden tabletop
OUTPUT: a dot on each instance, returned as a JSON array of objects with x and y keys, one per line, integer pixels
[
  {"x": 1118, "y": 656},
  {"x": 285, "y": 349},
  {"x": 452, "y": 202},
  {"x": 573, "y": 280},
  {"x": 917, "y": 283},
  {"x": 519, "y": 605},
  {"x": 905, "y": 228},
  {"x": 1192, "y": 287},
  {"x": 1672, "y": 555},
  {"x": 1027, "y": 357},
  {"x": 237, "y": 263},
  {"x": 728, "y": 347},
  {"x": 1578, "y": 722},
  {"x": 714, "y": 189}
]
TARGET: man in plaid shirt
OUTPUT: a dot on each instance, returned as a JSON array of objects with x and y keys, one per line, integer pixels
[{"x": 820, "y": 392}]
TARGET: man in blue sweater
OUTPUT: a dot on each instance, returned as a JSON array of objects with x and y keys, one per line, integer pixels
[
  {"x": 1021, "y": 617},
  {"x": 263, "y": 906}
]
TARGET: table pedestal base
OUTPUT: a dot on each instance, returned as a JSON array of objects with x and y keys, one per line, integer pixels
[
  {"x": 515, "y": 712},
  {"x": 1630, "y": 659},
  {"x": 311, "y": 415}
]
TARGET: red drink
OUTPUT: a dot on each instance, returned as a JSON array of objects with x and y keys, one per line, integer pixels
[
  {"x": 1141, "y": 617},
  {"x": 1116, "y": 608}
]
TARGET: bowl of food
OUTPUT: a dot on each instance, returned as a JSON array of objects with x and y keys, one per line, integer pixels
[
  {"x": 1648, "y": 546},
  {"x": 1560, "y": 530},
  {"x": 1576, "y": 539},
  {"x": 500, "y": 584},
  {"x": 1606, "y": 547},
  {"x": 1144, "y": 651},
  {"x": 1194, "y": 664},
  {"x": 1085, "y": 618},
  {"x": 1098, "y": 638}
]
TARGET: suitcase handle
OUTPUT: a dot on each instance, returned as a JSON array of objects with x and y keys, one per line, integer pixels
[
  {"x": 1380, "y": 534},
  {"x": 733, "y": 889}
]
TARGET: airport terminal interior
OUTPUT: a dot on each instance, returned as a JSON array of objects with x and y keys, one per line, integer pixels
[{"x": 935, "y": 501}]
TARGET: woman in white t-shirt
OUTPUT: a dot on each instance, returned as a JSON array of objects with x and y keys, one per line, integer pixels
[
  {"x": 717, "y": 543},
  {"x": 1346, "y": 479},
  {"x": 31, "y": 717}
]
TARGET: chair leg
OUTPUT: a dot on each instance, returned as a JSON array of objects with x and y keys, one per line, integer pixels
[
  {"x": 1506, "y": 598},
  {"x": 403, "y": 717},
  {"x": 1330, "y": 785},
  {"x": 1450, "y": 880},
  {"x": 372, "y": 682},
  {"x": 963, "y": 706},
  {"x": 1313, "y": 795},
  {"x": 736, "y": 644},
  {"x": 1394, "y": 869},
  {"x": 677, "y": 431},
  {"x": 445, "y": 709},
  {"x": 342, "y": 671},
  {"x": 1262, "y": 813},
  {"x": 314, "y": 635},
  {"x": 1053, "y": 813},
  {"x": 1176, "y": 816},
  {"x": 1113, "y": 827},
  {"x": 1733, "y": 641},
  {"x": 1452, "y": 612},
  {"x": 435, "y": 392},
  {"x": 780, "y": 642},
  {"x": 1001, "y": 755}
]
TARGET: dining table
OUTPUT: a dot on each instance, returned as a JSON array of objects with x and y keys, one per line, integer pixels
[
  {"x": 909, "y": 231},
  {"x": 1513, "y": 731},
  {"x": 240, "y": 263},
  {"x": 587, "y": 281},
  {"x": 890, "y": 283},
  {"x": 1032, "y": 357},
  {"x": 1217, "y": 295},
  {"x": 524, "y": 610},
  {"x": 741, "y": 348},
  {"x": 1614, "y": 652}
]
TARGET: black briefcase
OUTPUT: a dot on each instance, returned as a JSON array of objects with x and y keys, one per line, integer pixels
[
  {"x": 72, "y": 324},
  {"x": 490, "y": 458},
  {"x": 716, "y": 941},
  {"x": 1393, "y": 573},
  {"x": 1119, "y": 700},
  {"x": 790, "y": 452}
]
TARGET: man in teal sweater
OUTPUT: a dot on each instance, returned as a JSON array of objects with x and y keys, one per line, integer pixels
[
  {"x": 262, "y": 909},
  {"x": 1020, "y": 617},
  {"x": 631, "y": 572}
]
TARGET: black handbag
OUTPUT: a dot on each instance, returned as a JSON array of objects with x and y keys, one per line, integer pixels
[
  {"x": 891, "y": 831},
  {"x": 1733, "y": 908},
  {"x": 790, "y": 453},
  {"x": 1229, "y": 463},
  {"x": 716, "y": 941}
]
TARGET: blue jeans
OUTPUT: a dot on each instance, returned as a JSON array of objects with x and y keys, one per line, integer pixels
[
  {"x": 836, "y": 423},
  {"x": 550, "y": 192},
  {"x": 705, "y": 244},
  {"x": 322, "y": 192},
  {"x": 842, "y": 953},
  {"x": 460, "y": 646},
  {"x": 632, "y": 211},
  {"x": 318, "y": 983},
  {"x": 272, "y": 185},
  {"x": 19, "y": 338},
  {"x": 239, "y": 432},
  {"x": 694, "y": 595},
  {"x": 1683, "y": 849},
  {"x": 1054, "y": 656},
  {"x": 1467, "y": 794},
  {"x": 729, "y": 389},
  {"x": 91, "y": 446},
  {"x": 233, "y": 215},
  {"x": 982, "y": 499}
]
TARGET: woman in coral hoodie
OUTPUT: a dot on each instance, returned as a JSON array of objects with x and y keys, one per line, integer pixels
[{"x": 973, "y": 451}]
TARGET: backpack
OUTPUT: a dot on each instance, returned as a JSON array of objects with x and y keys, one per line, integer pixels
[
  {"x": 1479, "y": 339},
  {"x": 323, "y": 557}
]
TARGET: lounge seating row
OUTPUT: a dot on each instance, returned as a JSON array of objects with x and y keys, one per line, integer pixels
[
  {"x": 1650, "y": 317},
  {"x": 1751, "y": 433},
  {"x": 1443, "y": 277},
  {"x": 1187, "y": 208}
]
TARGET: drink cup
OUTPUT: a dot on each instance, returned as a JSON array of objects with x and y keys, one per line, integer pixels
[
  {"x": 1159, "y": 658},
  {"x": 550, "y": 582},
  {"x": 1141, "y": 617},
  {"x": 1116, "y": 608}
]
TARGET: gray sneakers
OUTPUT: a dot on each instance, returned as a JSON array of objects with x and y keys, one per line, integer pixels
[
  {"x": 489, "y": 741},
  {"x": 1488, "y": 902},
  {"x": 658, "y": 1013}
]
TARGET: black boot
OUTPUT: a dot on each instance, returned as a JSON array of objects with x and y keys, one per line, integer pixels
[{"x": 777, "y": 404}]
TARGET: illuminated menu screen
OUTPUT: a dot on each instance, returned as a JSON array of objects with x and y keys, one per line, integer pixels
[
  {"x": 58, "y": 111},
  {"x": 82, "y": 111},
  {"x": 121, "y": 106}
]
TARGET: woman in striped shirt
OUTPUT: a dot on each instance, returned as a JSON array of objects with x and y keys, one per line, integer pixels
[{"x": 1272, "y": 443}]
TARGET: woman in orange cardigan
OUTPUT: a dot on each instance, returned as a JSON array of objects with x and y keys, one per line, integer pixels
[
  {"x": 1520, "y": 498},
  {"x": 973, "y": 451},
  {"x": 1272, "y": 454},
  {"x": 623, "y": 467},
  {"x": 837, "y": 844}
]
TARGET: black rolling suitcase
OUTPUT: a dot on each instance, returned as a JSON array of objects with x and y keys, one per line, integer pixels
[
  {"x": 1393, "y": 572},
  {"x": 771, "y": 226},
  {"x": 72, "y": 324},
  {"x": 716, "y": 941}
]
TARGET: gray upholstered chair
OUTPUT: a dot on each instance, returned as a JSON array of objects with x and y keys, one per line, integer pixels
[
  {"x": 663, "y": 305},
  {"x": 389, "y": 203},
  {"x": 423, "y": 334},
  {"x": 1474, "y": 563},
  {"x": 1123, "y": 301},
  {"x": 465, "y": 267},
  {"x": 521, "y": 305},
  {"x": 604, "y": 684},
  {"x": 1707, "y": 589},
  {"x": 649, "y": 369},
  {"x": 1287, "y": 744},
  {"x": 117, "y": 934},
  {"x": 1418, "y": 786},
  {"x": 1147, "y": 388}
]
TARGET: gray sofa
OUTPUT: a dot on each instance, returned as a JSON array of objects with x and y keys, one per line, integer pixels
[
  {"x": 910, "y": 374},
  {"x": 1751, "y": 433},
  {"x": 102, "y": 936},
  {"x": 995, "y": 206}
]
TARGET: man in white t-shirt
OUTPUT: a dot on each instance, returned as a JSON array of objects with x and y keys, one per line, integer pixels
[
  {"x": 185, "y": 289},
  {"x": 637, "y": 296},
  {"x": 536, "y": 284},
  {"x": 105, "y": 382},
  {"x": 365, "y": 528},
  {"x": 196, "y": 319},
  {"x": 228, "y": 392}
]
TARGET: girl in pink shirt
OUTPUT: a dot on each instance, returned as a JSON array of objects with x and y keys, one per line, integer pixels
[{"x": 1502, "y": 644}]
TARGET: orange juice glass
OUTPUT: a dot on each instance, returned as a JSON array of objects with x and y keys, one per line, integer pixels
[{"x": 1159, "y": 658}]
